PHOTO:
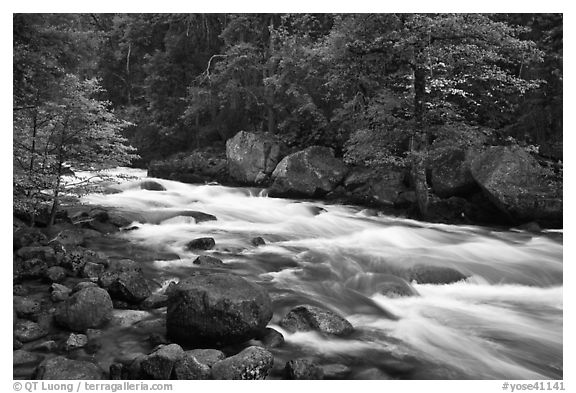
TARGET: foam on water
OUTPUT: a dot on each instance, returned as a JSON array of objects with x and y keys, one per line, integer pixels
[{"x": 504, "y": 321}]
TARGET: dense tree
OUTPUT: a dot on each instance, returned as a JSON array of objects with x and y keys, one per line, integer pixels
[{"x": 58, "y": 118}]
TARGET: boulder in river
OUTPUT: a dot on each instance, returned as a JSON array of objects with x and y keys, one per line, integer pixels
[
  {"x": 190, "y": 368},
  {"x": 312, "y": 172},
  {"x": 430, "y": 274},
  {"x": 60, "y": 367},
  {"x": 252, "y": 157},
  {"x": 55, "y": 274},
  {"x": 518, "y": 185},
  {"x": 160, "y": 363},
  {"x": 130, "y": 286},
  {"x": 151, "y": 185},
  {"x": 25, "y": 307},
  {"x": 207, "y": 260},
  {"x": 216, "y": 308},
  {"x": 26, "y": 331},
  {"x": 307, "y": 318},
  {"x": 201, "y": 243},
  {"x": 303, "y": 369},
  {"x": 251, "y": 363},
  {"x": 87, "y": 308}
]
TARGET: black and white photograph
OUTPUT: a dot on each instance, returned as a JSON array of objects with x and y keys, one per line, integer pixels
[{"x": 287, "y": 196}]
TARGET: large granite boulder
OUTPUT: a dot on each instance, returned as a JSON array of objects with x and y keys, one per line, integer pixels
[
  {"x": 60, "y": 367},
  {"x": 312, "y": 172},
  {"x": 450, "y": 172},
  {"x": 381, "y": 186},
  {"x": 518, "y": 185},
  {"x": 252, "y": 157},
  {"x": 216, "y": 308},
  {"x": 252, "y": 363},
  {"x": 88, "y": 308}
]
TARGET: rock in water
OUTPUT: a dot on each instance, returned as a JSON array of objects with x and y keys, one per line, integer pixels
[
  {"x": 218, "y": 308},
  {"x": 206, "y": 260},
  {"x": 76, "y": 341},
  {"x": 26, "y": 331},
  {"x": 60, "y": 367},
  {"x": 209, "y": 357},
  {"x": 428, "y": 274},
  {"x": 312, "y": 172},
  {"x": 251, "y": 363},
  {"x": 252, "y": 157},
  {"x": 306, "y": 318},
  {"x": 303, "y": 369},
  {"x": 518, "y": 185},
  {"x": 258, "y": 241},
  {"x": 152, "y": 186},
  {"x": 55, "y": 274},
  {"x": 125, "y": 281},
  {"x": 189, "y": 368},
  {"x": 201, "y": 243},
  {"x": 25, "y": 307},
  {"x": 87, "y": 308},
  {"x": 159, "y": 364}
]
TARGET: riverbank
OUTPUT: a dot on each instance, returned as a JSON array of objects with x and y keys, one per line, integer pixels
[{"x": 491, "y": 185}]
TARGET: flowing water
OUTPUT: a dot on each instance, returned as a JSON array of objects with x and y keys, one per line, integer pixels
[{"x": 503, "y": 322}]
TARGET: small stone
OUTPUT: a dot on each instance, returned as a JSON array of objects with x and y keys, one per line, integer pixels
[
  {"x": 252, "y": 363},
  {"x": 258, "y": 241},
  {"x": 189, "y": 368},
  {"x": 46, "y": 346},
  {"x": 92, "y": 271},
  {"x": 55, "y": 274},
  {"x": 19, "y": 290},
  {"x": 26, "y": 331},
  {"x": 303, "y": 369},
  {"x": 21, "y": 358},
  {"x": 84, "y": 284},
  {"x": 153, "y": 301},
  {"x": 336, "y": 371},
  {"x": 206, "y": 260},
  {"x": 152, "y": 186},
  {"x": 66, "y": 369},
  {"x": 208, "y": 357},
  {"x": 202, "y": 243},
  {"x": 17, "y": 344},
  {"x": 306, "y": 318},
  {"x": 159, "y": 364},
  {"x": 59, "y": 292},
  {"x": 25, "y": 307},
  {"x": 76, "y": 341}
]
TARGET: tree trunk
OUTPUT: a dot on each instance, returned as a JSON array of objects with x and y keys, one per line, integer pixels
[
  {"x": 268, "y": 72},
  {"x": 419, "y": 143}
]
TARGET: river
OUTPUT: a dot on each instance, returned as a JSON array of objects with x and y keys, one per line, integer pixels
[{"x": 503, "y": 322}]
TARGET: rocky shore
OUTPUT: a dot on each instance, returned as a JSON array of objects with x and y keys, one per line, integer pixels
[
  {"x": 493, "y": 185},
  {"x": 213, "y": 324}
]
